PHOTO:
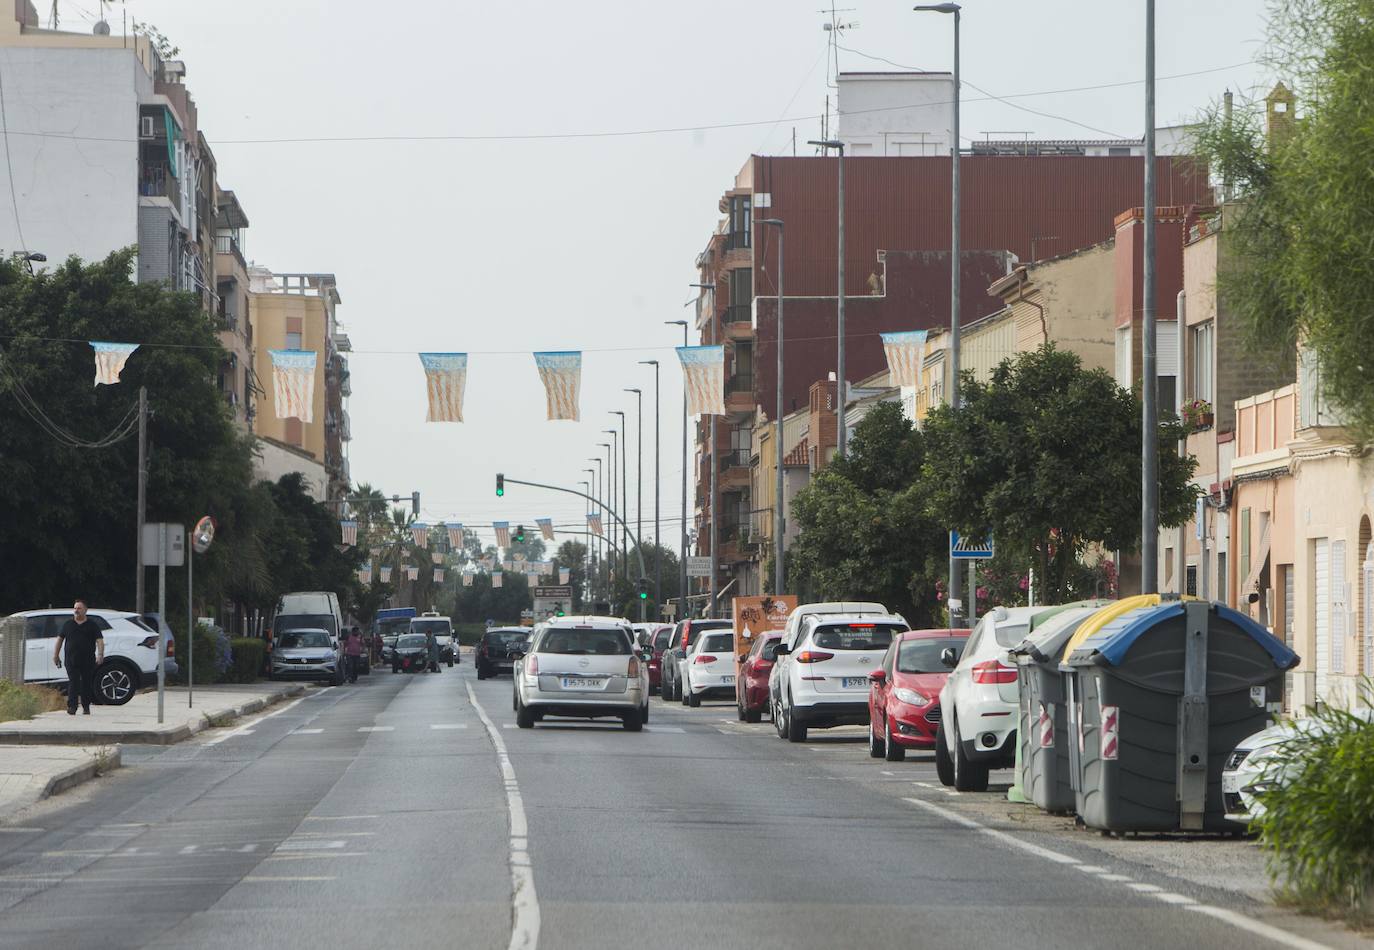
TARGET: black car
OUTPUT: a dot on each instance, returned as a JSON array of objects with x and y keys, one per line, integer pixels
[
  {"x": 496, "y": 650},
  {"x": 411, "y": 653}
]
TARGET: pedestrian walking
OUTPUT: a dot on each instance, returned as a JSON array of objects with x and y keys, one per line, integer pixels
[
  {"x": 85, "y": 650},
  {"x": 433, "y": 643},
  {"x": 353, "y": 653}
]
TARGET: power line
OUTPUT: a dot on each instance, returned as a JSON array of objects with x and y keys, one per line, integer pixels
[{"x": 9, "y": 165}]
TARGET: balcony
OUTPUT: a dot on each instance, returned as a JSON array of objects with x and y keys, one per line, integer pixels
[
  {"x": 155, "y": 180},
  {"x": 734, "y": 470},
  {"x": 739, "y": 393},
  {"x": 738, "y": 240},
  {"x": 346, "y": 384},
  {"x": 226, "y": 243}
]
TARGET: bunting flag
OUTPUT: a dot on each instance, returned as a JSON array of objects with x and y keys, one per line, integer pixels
[
  {"x": 561, "y": 373},
  {"x": 350, "y": 532},
  {"x": 496, "y": 579},
  {"x": 365, "y": 573},
  {"x": 436, "y": 557},
  {"x": 703, "y": 379},
  {"x": 446, "y": 376},
  {"x": 502, "y": 533},
  {"x": 293, "y": 384},
  {"x": 419, "y": 533},
  {"x": 109, "y": 360},
  {"x": 564, "y": 575},
  {"x": 438, "y": 575},
  {"x": 905, "y": 353},
  {"x": 594, "y": 523},
  {"x": 385, "y": 572},
  {"x": 467, "y": 578},
  {"x": 455, "y": 536},
  {"x": 412, "y": 572},
  {"x": 545, "y": 527}
]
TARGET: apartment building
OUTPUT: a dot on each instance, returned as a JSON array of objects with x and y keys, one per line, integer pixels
[{"x": 237, "y": 377}]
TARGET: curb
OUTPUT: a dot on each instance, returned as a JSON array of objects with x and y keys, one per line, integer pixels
[{"x": 80, "y": 774}]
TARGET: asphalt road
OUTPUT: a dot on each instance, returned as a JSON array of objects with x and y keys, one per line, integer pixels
[{"x": 380, "y": 815}]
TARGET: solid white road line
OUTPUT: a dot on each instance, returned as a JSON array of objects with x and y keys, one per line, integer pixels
[
  {"x": 524, "y": 931},
  {"x": 376, "y": 728},
  {"x": 307, "y": 732},
  {"x": 448, "y": 725}
]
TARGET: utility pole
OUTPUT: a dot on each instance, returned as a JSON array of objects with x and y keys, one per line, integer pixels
[
  {"x": 779, "y": 508},
  {"x": 840, "y": 427},
  {"x": 715, "y": 522},
  {"x": 658, "y": 539},
  {"x": 1149, "y": 427},
  {"x": 682, "y": 525},
  {"x": 139, "y": 579}
]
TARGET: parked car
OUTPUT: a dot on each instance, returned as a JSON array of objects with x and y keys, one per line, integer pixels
[
  {"x": 496, "y": 651},
  {"x": 154, "y": 622},
  {"x": 904, "y": 698},
  {"x": 823, "y": 680},
  {"x": 307, "y": 610},
  {"x": 442, "y": 628},
  {"x": 411, "y": 654},
  {"x": 751, "y": 684},
  {"x": 657, "y": 644},
  {"x": 709, "y": 667},
  {"x": 980, "y": 702},
  {"x": 582, "y": 668},
  {"x": 792, "y": 632},
  {"x": 308, "y": 653},
  {"x": 130, "y": 652},
  {"x": 685, "y": 634},
  {"x": 389, "y": 646}
]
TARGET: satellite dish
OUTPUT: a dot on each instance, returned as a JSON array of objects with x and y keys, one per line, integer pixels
[
  {"x": 101, "y": 28},
  {"x": 203, "y": 534}
]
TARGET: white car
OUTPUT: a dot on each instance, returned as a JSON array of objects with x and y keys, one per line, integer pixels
[
  {"x": 709, "y": 667},
  {"x": 821, "y": 679},
  {"x": 130, "y": 652},
  {"x": 792, "y": 630},
  {"x": 980, "y": 702},
  {"x": 582, "y": 668}
]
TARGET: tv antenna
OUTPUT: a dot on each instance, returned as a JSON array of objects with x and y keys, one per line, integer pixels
[{"x": 834, "y": 28}]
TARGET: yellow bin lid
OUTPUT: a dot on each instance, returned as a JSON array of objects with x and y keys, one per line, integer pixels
[{"x": 1105, "y": 616}]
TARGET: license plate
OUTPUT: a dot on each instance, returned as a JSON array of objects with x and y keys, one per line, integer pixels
[
  {"x": 854, "y": 682},
  {"x": 583, "y": 682},
  {"x": 728, "y": 680},
  {"x": 1231, "y": 783}
]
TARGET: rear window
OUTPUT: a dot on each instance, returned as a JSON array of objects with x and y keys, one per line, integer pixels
[
  {"x": 440, "y": 628},
  {"x": 297, "y": 621},
  {"x": 717, "y": 643},
  {"x": 1011, "y": 634},
  {"x": 505, "y": 638},
  {"x": 854, "y": 636},
  {"x": 588, "y": 642},
  {"x": 923, "y": 656},
  {"x": 662, "y": 637},
  {"x": 701, "y": 626},
  {"x": 301, "y": 639}
]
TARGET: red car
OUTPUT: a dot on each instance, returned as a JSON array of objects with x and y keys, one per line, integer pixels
[
  {"x": 904, "y": 693},
  {"x": 662, "y": 633},
  {"x": 751, "y": 684}
]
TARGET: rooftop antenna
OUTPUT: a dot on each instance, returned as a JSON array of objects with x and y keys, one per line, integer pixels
[
  {"x": 834, "y": 29},
  {"x": 52, "y": 17}
]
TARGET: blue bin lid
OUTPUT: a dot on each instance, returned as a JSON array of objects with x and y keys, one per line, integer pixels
[{"x": 1114, "y": 640}]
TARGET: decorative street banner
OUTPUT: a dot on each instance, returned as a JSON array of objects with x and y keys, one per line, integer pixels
[
  {"x": 350, "y": 532},
  {"x": 445, "y": 378},
  {"x": 438, "y": 575},
  {"x": 703, "y": 378},
  {"x": 467, "y": 578},
  {"x": 455, "y": 536},
  {"x": 561, "y": 373},
  {"x": 365, "y": 573},
  {"x": 545, "y": 527},
  {"x": 293, "y": 384},
  {"x": 496, "y": 579},
  {"x": 385, "y": 571},
  {"x": 594, "y": 523},
  {"x": 905, "y": 353},
  {"x": 109, "y": 360},
  {"x": 436, "y": 557},
  {"x": 412, "y": 572},
  {"x": 419, "y": 533},
  {"x": 564, "y": 575},
  {"x": 502, "y": 533}
]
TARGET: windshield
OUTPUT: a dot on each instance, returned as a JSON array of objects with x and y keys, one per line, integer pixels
[
  {"x": 923, "y": 656},
  {"x": 410, "y": 640},
  {"x": 854, "y": 636},
  {"x": 300, "y": 621},
  {"x": 391, "y": 626},
  {"x": 770, "y": 648},
  {"x": 440, "y": 628},
  {"x": 717, "y": 643},
  {"x": 603, "y": 642},
  {"x": 661, "y": 639},
  {"x": 303, "y": 639}
]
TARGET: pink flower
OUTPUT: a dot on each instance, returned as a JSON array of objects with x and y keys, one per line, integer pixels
[
  {"x": 982, "y": 593},
  {"x": 1024, "y": 583},
  {"x": 940, "y": 595}
]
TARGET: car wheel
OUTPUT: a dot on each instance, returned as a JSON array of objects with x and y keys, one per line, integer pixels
[
  {"x": 779, "y": 722},
  {"x": 450, "y": 663},
  {"x": 632, "y": 721},
  {"x": 644, "y": 712},
  {"x": 683, "y": 691},
  {"x": 875, "y": 745},
  {"x": 481, "y": 673},
  {"x": 116, "y": 683},
  {"x": 739, "y": 711},
  {"x": 753, "y": 715},
  {"x": 524, "y": 718},
  {"x": 796, "y": 729},
  {"x": 969, "y": 776},
  {"x": 944, "y": 765},
  {"x": 693, "y": 699},
  {"x": 892, "y": 752}
]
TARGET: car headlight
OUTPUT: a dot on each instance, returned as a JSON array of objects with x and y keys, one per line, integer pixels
[{"x": 910, "y": 697}]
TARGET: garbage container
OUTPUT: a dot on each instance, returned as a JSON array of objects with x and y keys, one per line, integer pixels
[
  {"x": 1044, "y": 731},
  {"x": 1159, "y": 696}
]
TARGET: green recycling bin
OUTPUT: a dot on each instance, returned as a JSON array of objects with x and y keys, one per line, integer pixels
[{"x": 1157, "y": 699}]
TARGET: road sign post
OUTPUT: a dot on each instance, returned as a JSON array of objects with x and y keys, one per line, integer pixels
[
  {"x": 969, "y": 549},
  {"x": 164, "y": 545},
  {"x": 698, "y": 566}
]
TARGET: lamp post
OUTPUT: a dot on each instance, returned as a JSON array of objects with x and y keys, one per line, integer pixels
[
  {"x": 779, "y": 511},
  {"x": 624, "y": 494},
  {"x": 586, "y": 568},
  {"x": 1149, "y": 429},
  {"x": 840, "y": 389},
  {"x": 591, "y": 544},
  {"x": 639, "y": 465},
  {"x": 658, "y": 541},
  {"x": 955, "y": 600},
  {"x": 605, "y": 480},
  {"x": 682, "y": 526},
  {"x": 614, "y": 495}
]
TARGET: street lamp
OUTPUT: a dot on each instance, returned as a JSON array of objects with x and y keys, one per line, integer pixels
[
  {"x": 682, "y": 527},
  {"x": 601, "y": 500},
  {"x": 624, "y": 494},
  {"x": 840, "y": 391},
  {"x": 955, "y": 600},
  {"x": 587, "y": 548},
  {"x": 1149, "y": 430},
  {"x": 779, "y": 514},
  {"x": 639, "y": 467},
  {"x": 714, "y": 579},
  {"x": 658, "y": 541}
]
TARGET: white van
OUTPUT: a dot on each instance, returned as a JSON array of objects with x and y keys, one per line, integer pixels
[{"x": 442, "y": 628}]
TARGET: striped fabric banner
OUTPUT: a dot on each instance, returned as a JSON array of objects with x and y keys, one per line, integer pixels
[
  {"x": 412, "y": 572},
  {"x": 545, "y": 527},
  {"x": 365, "y": 573},
  {"x": 350, "y": 532},
  {"x": 438, "y": 575},
  {"x": 293, "y": 384},
  {"x": 436, "y": 557},
  {"x": 467, "y": 578},
  {"x": 446, "y": 377},
  {"x": 497, "y": 578},
  {"x": 561, "y": 373},
  {"x": 502, "y": 533},
  {"x": 109, "y": 360},
  {"x": 385, "y": 572},
  {"x": 703, "y": 378},
  {"x": 455, "y": 536},
  {"x": 905, "y": 354},
  {"x": 594, "y": 523},
  {"x": 564, "y": 575},
  {"x": 419, "y": 533}
]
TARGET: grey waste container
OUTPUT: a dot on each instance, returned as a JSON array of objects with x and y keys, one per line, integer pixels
[
  {"x": 1043, "y": 733},
  {"x": 1158, "y": 698},
  {"x": 12, "y": 649}
]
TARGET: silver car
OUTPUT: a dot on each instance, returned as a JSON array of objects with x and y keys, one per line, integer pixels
[
  {"x": 307, "y": 653},
  {"x": 582, "y": 668}
]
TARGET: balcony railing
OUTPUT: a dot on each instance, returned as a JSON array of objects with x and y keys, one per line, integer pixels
[
  {"x": 740, "y": 313},
  {"x": 734, "y": 458},
  {"x": 740, "y": 383},
  {"x": 155, "y": 180}
]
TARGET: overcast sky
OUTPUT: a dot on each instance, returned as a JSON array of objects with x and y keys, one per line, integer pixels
[{"x": 505, "y": 246}]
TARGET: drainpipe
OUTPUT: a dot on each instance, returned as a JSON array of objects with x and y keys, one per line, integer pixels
[{"x": 1180, "y": 546}]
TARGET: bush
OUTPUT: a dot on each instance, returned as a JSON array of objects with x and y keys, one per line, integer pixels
[
  {"x": 248, "y": 653},
  {"x": 1318, "y": 821},
  {"x": 25, "y": 702},
  {"x": 212, "y": 657}
]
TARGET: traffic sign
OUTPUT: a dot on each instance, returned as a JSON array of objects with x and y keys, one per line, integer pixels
[
  {"x": 969, "y": 550},
  {"x": 698, "y": 566},
  {"x": 174, "y": 555}
]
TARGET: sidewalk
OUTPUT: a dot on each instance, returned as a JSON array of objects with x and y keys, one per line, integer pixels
[{"x": 32, "y": 773}]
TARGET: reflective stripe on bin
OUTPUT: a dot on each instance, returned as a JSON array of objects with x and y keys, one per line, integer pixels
[
  {"x": 1110, "y": 718},
  {"x": 1046, "y": 731}
]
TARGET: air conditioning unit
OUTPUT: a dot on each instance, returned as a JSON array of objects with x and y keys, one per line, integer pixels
[{"x": 146, "y": 126}]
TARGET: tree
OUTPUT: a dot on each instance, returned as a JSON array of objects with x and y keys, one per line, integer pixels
[
  {"x": 1045, "y": 459},
  {"x": 1300, "y": 261},
  {"x": 572, "y": 555}
]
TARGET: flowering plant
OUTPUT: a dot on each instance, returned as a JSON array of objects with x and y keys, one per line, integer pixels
[{"x": 1197, "y": 414}]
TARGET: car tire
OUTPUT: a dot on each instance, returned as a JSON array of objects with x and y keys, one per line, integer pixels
[
  {"x": 644, "y": 712},
  {"x": 682, "y": 694},
  {"x": 739, "y": 711},
  {"x": 969, "y": 776},
  {"x": 753, "y": 715},
  {"x": 481, "y": 673},
  {"x": 876, "y": 746},
  {"x": 796, "y": 729},
  {"x": 524, "y": 718},
  {"x": 944, "y": 765},
  {"x": 632, "y": 721},
  {"x": 450, "y": 663},
  {"x": 892, "y": 752},
  {"x": 116, "y": 681},
  {"x": 693, "y": 699}
]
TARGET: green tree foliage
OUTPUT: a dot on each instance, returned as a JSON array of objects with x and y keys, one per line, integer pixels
[
  {"x": 865, "y": 528},
  {"x": 1300, "y": 242},
  {"x": 1045, "y": 458},
  {"x": 573, "y": 556}
]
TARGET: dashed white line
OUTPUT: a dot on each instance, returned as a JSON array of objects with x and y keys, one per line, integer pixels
[
  {"x": 307, "y": 732},
  {"x": 448, "y": 725},
  {"x": 376, "y": 728}
]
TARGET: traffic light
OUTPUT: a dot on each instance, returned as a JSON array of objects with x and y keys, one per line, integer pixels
[
  {"x": 415, "y": 503},
  {"x": 558, "y": 609},
  {"x": 500, "y": 485},
  {"x": 643, "y": 588},
  {"x": 520, "y": 534}
]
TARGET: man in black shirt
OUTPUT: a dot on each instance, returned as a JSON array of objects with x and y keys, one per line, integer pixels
[{"x": 85, "y": 651}]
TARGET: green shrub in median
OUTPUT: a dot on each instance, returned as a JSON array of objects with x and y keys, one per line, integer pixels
[
  {"x": 246, "y": 663},
  {"x": 25, "y": 702},
  {"x": 213, "y": 655},
  {"x": 1318, "y": 819}
]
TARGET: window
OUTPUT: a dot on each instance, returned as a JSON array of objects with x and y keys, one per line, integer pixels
[
  {"x": 1244, "y": 545},
  {"x": 293, "y": 341},
  {"x": 741, "y": 222},
  {"x": 741, "y": 296},
  {"x": 1201, "y": 349},
  {"x": 923, "y": 656},
  {"x": 717, "y": 643},
  {"x": 1221, "y": 577},
  {"x": 1289, "y": 601},
  {"x": 1190, "y": 583},
  {"x": 1339, "y": 599},
  {"x": 1123, "y": 357}
]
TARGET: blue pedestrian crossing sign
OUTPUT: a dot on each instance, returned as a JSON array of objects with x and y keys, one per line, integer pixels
[{"x": 968, "y": 549}]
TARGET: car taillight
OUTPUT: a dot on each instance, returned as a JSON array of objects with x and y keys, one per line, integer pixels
[
  {"x": 814, "y": 656},
  {"x": 705, "y": 658},
  {"x": 171, "y": 647},
  {"x": 633, "y": 668},
  {"x": 992, "y": 672},
  {"x": 532, "y": 667}
]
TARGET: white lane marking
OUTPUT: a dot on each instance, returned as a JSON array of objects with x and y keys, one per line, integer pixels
[
  {"x": 1091, "y": 869},
  {"x": 338, "y": 817},
  {"x": 524, "y": 930},
  {"x": 448, "y": 725},
  {"x": 306, "y": 732},
  {"x": 20, "y": 831},
  {"x": 310, "y": 844},
  {"x": 1268, "y": 931},
  {"x": 1118, "y": 878},
  {"x": 376, "y": 728},
  {"x": 664, "y": 729},
  {"x": 264, "y": 879},
  {"x": 508, "y": 725}
]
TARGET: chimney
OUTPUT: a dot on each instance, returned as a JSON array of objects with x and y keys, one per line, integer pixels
[
  {"x": 822, "y": 431},
  {"x": 1279, "y": 114}
]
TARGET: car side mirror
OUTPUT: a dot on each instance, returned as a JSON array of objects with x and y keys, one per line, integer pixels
[
  {"x": 782, "y": 650},
  {"x": 646, "y": 654},
  {"x": 878, "y": 676},
  {"x": 948, "y": 657},
  {"x": 517, "y": 654}
]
